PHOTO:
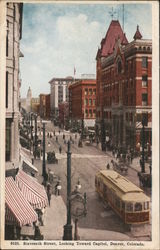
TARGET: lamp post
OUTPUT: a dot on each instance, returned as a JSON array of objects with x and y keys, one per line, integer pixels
[
  {"x": 36, "y": 137},
  {"x": 143, "y": 143},
  {"x": 44, "y": 173},
  {"x": 68, "y": 227}
]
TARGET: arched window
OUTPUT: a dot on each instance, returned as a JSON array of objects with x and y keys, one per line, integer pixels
[{"x": 119, "y": 66}]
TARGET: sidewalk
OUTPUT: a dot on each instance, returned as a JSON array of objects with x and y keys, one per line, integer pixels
[{"x": 56, "y": 217}]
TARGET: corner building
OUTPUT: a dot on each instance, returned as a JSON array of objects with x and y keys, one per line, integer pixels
[
  {"x": 13, "y": 81},
  {"x": 124, "y": 89}
]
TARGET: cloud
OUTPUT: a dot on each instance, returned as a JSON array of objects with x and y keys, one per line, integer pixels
[{"x": 57, "y": 37}]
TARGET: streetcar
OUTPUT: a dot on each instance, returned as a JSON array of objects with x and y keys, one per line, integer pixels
[{"x": 125, "y": 198}]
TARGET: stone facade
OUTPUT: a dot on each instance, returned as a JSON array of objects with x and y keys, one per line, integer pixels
[
  {"x": 124, "y": 89},
  {"x": 59, "y": 93},
  {"x": 13, "y": 82}
]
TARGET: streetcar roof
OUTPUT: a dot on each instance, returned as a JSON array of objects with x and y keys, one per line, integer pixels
[
  {"x": 135, "y": 197},
  {"x": 120, "y": 181}
]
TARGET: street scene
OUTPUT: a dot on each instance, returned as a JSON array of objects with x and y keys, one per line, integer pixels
[{"x": 78, "y": 141}]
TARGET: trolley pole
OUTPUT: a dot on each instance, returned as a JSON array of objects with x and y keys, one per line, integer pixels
[{"x": 68, "y": 227}]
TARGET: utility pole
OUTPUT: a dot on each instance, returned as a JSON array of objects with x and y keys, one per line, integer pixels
[{"x": 68, "y": 227}]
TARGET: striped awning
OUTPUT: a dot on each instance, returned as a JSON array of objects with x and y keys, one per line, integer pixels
[
  {"x": 33, "y": 191},
  {"x": 18, "y": 211}
]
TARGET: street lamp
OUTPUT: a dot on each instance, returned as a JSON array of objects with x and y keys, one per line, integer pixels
[
  {"x": 68, "y": 227},
  {"x": 76, "y": 203},
  {"x": 36, "y": 137},
  {"x": 44, "y": 173}
]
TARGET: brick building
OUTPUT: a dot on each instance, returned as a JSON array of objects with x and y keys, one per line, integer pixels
[
  {"x": 63, "y": 114},
  {"x": 82, "y": 101},
  {"x": 44, "y": 108},
  {"x": 124, "y": 88}
]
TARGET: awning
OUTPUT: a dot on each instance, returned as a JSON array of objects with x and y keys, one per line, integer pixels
[
  {"x": 27, "y": 166},
  {"x": 18, "y": 211},
  {"x": 34, "y": 192}
]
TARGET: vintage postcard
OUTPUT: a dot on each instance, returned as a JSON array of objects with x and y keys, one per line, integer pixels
[{"x": 79, "y": 124}]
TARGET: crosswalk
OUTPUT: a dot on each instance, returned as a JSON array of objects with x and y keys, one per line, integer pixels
[{"x": 78, "y": 156}]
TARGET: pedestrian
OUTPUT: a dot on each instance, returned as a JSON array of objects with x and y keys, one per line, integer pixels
[
  {"x": 59, "y": 132},
  {"x": 60, "y": 149},
  {"x": 54, "y": 132},
  {"x": 57, "y": 188},
  {"x": 131, "y": 158},
  {"x": 49, "y": 193},
  {"x": 108, "y": 166},
  {"x": 150, "y": 169},
  {"x": 63, "y": 137},
  {"x": 75, "y": 136},
  {"x": 56, "y": 138}
]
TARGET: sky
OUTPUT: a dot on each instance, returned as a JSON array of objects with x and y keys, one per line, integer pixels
[{"x": 56, "y": 37}]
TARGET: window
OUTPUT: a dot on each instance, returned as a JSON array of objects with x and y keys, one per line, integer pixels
[
  {"x": 144, "y": 99},
  {"x": 86, "y": 101},
  {"x": 90, "y": 102},
  {"x": 90, "y": 113},
  {"x": 146, "y": 205},
  {"x": 6, "y": 89},
  {"x": 90, "y": 91},
  {"x": 94, "y": 91},
  {"x": 86, "y": 112},
  {"x": 7, "y": 44},
  {"x": 138, "y": 206},
  {"x": 129, "y": 207},
  {"x": 144, "y": 81},
  {"x": 86, "y": 91},
  {"x": 139, "y": 117},
  {"x": 144, "y": 62},
  {"x": 94, "y": 102},
  {"x": 8, "y": 139},
  {"x": 119, "y": 66},
  {"x": 145, "y": 118},
  {"x": 94, "y": 113}
]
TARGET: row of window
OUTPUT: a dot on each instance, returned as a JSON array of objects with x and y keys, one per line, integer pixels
[
  {"x": 109, "y": 87},
  {"x": 90, "y": 113},
  {"x": 90, "y": 102},
  {"x": 90, "y": 91},
  {"x": 128, "y": 66}
]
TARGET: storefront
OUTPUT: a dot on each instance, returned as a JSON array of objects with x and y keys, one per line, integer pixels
[{"x": 18, "y": 211}]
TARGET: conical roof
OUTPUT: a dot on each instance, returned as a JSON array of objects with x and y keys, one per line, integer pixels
[
  {"x": 114, "y": 33},
  {"x": 137, "y": 35}
]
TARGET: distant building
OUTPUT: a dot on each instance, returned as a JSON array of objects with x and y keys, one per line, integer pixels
[
  {"x": 35, "y": 105},
  {"x": 63, "y": 114},
  {"x": 59, "y": 93},
  {"x": 82, "y": 101},
  {"x": 28, "y": 100},
  {"x": 13, "y": 81},
  {"x": 124, "y": 89},
  {"x": 44, "y": 108}
]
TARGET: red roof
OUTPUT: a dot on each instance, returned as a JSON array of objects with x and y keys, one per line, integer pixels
[{"x": 114, "y": 33}]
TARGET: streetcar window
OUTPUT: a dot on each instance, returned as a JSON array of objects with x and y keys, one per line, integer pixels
[
  {"x": 138, "y": 206},
  {"x": 129, "y": 206},
  {"x": 146, "y": 205},
  {"x": 117, "y": 203},
  {"x": 104, "y": 189}
]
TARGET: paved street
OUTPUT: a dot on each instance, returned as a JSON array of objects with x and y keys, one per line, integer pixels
[{"x": 86, "y": 161}]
